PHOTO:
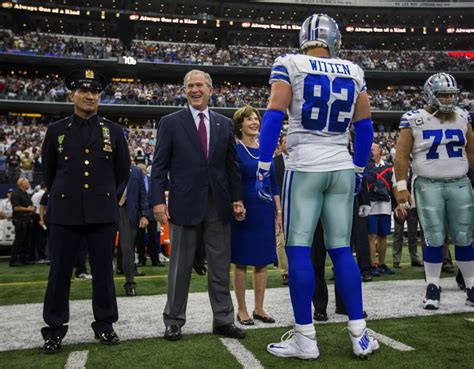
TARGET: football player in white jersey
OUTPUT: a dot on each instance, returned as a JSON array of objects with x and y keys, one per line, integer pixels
[
  {"x": 323, "y": 95},
  {"x": 441, "y": 141}
]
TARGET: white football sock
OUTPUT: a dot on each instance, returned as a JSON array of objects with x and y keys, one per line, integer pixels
[
  {"x": 356, "y": 326},
  {"x": 432, "y": 272},
  {"x": 467, "y": 270},
  {"x": 306, "y": 330}
]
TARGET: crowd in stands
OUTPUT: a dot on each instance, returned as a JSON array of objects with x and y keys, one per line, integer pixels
[
  {"x": 21, "y": 139},
  {"x": 224, "y": 95},
  {"x": 208, "y": 54},
  {"x": 59, "y": 46},
  {"x": 20, "y": 150}
]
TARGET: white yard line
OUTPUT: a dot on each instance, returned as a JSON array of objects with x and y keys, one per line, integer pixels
[
  {"x": 470, "y": 319},
  {"x": 390, "y": 342},
  {"x": 77, "y": 360},
  {"x": 242, "y": 355}
]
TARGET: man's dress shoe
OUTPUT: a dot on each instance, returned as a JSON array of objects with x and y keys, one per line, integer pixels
[
  {"x": 172, "y": 333},
  {"x": 201, "y": 270},
  {"x": 108, "y": 338},
  {"x": 229, "y": 330},
  {"x": 52, "y": 345},
  {"x": 130, "y": 291}
]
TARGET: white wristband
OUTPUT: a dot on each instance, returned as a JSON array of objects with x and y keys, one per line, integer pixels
[
  {"x": 264, "y": 165},
  {"x": 402, "y": 185},
  {"x": 358, "y": 169}
]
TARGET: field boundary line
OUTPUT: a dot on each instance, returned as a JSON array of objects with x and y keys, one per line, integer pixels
[
  {"x": 242, "y": 355},
  {"x": 390, "y": 342},
  {"x": 77, "y": 360}
]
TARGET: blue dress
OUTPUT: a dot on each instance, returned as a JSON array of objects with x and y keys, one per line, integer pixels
[{"x": 253, "y": 240}]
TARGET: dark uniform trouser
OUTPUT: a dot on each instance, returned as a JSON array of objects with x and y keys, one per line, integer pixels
[
  {"x": 184, "y": 241},
  {"x": 318, "y": 257},
  {"x": 360, "y": 239},
  {"x": 412, "y": 223},
  {"x": 128, "y": 235},
  {"x": 64, "y": 243},
  {"x": 22, "y": 240},
  {"x": 153, "y": 236}
]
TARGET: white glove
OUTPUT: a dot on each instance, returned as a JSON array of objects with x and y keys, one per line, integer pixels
[{"x": 364, "y": 211}]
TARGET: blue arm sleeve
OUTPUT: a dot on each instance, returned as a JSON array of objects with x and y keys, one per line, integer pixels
[
  {"x": 274, "y": 182},
  {"x": 272, "y": 124},
  {"x": 364, "y": 137}
]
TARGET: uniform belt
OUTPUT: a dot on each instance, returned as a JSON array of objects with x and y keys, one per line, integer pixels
[{"x": 445, "y": 180}]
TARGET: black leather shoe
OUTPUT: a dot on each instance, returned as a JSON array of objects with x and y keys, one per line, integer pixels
[
  {"x": 446, "y": 268},
  {"x": 108, "y": 338},
  {"x": 248, "y": 321},
  {"x": 130, "y": 291},
  {"x": 52, "y": 345},
  {"x": 320, "y": 316},
  {"x": 366, "y": 277},
  {"x": 397, "y": 265},
  {"x": 172, "y": 333},
  {"x": 416, "y": 263},
  {"x": 158, "y": 264},
  {"x": 201, "y": 270},
  {"x": 229, "y": 330},
  {"x": 265, "y": 319}
]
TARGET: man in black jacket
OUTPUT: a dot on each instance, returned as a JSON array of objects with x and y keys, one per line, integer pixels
[
  {"x": 85, "y": 158},
  {"x": 23, "y": 211}
]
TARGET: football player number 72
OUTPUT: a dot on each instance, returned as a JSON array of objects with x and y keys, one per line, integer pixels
[
  {"x": 317, "y": 92},
  {"x": 453, "y": 147}
]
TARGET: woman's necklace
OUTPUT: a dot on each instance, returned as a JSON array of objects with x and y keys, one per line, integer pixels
[{"x": 248, "y": 151}]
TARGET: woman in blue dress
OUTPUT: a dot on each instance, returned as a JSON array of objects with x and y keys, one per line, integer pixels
[{"x": 254, "y": 239}]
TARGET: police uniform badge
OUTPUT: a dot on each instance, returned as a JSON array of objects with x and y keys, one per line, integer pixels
[
  {"x": 89, "y": 74},
  {"x": 106, "y": 136},
  {"x": 60, "y": 143}
]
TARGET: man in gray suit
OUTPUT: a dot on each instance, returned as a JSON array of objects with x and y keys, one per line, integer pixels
[{"x": 196, "y": 147}]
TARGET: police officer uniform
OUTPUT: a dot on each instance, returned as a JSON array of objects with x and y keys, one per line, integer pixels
[{"x": 84, "y": 163}]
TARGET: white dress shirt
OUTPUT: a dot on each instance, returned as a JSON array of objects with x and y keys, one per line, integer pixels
[{"x": 197, "y": 119}]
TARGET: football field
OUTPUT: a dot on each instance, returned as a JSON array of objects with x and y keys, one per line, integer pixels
[{"x": 410, "y": 337}]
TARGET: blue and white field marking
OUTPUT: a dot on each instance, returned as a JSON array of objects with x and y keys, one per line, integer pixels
[
  {"x": 241, "y": 354},
  {"x": 77, "y": 360}
]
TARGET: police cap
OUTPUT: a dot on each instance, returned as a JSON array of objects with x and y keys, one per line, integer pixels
[{"x": 85, "y": 78}]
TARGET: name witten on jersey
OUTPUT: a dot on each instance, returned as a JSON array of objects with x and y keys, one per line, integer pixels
[{"x": 324, "y": 93}]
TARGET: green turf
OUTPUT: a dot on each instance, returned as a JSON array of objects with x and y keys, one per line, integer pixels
[
  {"x": 444, "y": 341},
  {"x": 439, "y": 342},
  {"x": 27, "y": 284},
  {"x": 197, "y": 351}
]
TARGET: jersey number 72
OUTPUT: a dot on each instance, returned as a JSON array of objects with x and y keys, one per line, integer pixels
[
  {"x": 326, "y": 109},
  {"x": 454, "y": 148}
]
